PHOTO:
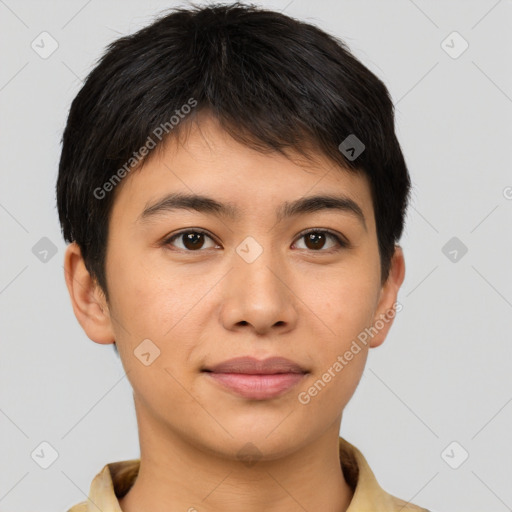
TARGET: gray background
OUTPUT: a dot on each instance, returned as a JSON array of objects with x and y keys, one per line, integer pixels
[{"x": 442, "y": 375}]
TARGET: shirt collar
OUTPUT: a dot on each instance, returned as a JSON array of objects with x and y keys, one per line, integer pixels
[{"x": 116, "y": 478}]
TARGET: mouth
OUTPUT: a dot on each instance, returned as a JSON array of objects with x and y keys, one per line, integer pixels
[
  {"x": 252, "y": 366},
  {"x": 254, "y": 379}
]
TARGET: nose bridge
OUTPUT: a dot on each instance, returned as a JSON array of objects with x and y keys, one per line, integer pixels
[
  {"x": 256, "y": 292},
  {"x": 256, "y": 265}
]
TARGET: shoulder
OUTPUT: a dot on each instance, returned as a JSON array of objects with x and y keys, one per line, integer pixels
[
  {"x": 405, "y": 506},
  {"x": 79, "y": 507},
  {"x": 368, "y": 494}
]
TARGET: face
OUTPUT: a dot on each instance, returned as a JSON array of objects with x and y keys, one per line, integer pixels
[{"x": 241, "y": 275}]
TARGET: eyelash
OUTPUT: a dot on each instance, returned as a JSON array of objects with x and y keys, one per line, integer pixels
[{"x": 342, "y": 244}]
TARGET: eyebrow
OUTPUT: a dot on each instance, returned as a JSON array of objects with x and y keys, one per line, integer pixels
[{"x": 208, "y": 205}]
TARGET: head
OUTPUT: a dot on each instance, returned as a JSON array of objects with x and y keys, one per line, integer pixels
[{"x": 248, "y": 109}]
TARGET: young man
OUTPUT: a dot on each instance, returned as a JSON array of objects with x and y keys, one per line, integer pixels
[{"x": 233, "y": 191}]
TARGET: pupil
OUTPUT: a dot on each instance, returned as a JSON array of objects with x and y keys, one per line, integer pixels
[
  {"x": 193, "y": 240},
  {"x": 315, "y": 238}
]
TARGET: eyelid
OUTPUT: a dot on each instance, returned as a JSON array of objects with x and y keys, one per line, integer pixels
[
  {"x": 341, "y": 240},
  {"x": 168, "y": 239}
]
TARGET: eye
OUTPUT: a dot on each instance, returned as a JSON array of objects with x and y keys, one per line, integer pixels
[
  {"x": 315, "y": 240},
  {"x": 192, "y": 240}
]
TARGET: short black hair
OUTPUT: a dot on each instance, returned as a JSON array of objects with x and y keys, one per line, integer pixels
[{"x": 273, "y": 82}]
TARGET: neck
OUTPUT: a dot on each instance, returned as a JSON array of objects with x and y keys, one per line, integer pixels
[{"x": 176, "y": 475}]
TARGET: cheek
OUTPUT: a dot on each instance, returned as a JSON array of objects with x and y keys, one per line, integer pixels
[
  {"x": 340, "y": 355},
  {"x": 346, "y": 306},
  {"x": 345, "y": 303},
  {"x": 153, "y": 318},
  {"x": 323, "y": 399},
  {"x": 148, "y": 300},
  {"x": 166, "y": 309}
]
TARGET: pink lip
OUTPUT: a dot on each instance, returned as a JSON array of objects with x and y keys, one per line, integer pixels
[
  {"x": 253, "y": 366},
  {"x": 255, "y": 379},
  {"x": 257, "y": 387}
]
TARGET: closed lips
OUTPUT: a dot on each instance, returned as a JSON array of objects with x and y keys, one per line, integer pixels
[{"x": 252, "y": 366}]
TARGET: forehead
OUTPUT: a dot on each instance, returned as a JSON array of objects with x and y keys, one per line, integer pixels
[{"x": 208, "y": 162}]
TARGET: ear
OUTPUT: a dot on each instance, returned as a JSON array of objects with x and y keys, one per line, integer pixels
[
  {"x": 87, "y": 298},
  {"x": 386, "y": 309}
]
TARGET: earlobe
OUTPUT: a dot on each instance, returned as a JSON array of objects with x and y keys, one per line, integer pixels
[
  {"x": 87, "y": 298},
  {"x": 387, "y": 309}
]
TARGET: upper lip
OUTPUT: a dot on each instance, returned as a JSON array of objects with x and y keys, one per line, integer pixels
[{"x": 253, "y": 366}]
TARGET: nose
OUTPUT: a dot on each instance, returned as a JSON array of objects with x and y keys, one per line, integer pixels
[{"x": 258, "y": 295}]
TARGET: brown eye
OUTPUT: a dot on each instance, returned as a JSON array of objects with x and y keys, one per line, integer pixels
[
  {"x": 315, "y": 240},
  {"x": 191, "y": 240}
]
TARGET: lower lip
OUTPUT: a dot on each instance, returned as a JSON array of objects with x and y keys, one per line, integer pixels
[{"x": 257, "y": 387}]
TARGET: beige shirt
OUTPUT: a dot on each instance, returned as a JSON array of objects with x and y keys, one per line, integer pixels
[{"x": 116, "y": 478}]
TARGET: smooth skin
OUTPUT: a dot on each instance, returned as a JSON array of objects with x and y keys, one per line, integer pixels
[{"x": 202, "y": 304}]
